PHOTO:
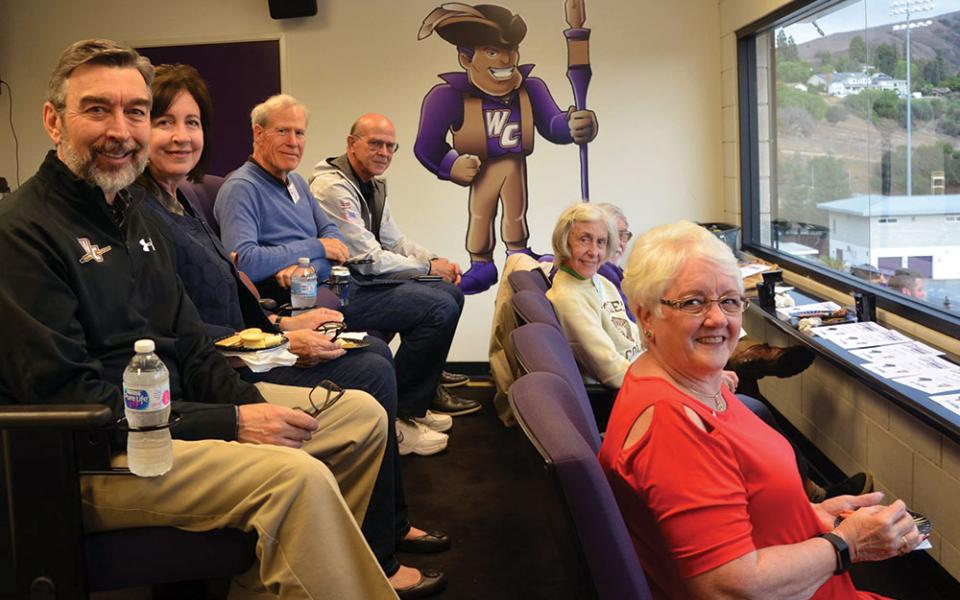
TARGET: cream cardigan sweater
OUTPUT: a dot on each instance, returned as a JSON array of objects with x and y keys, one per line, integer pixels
[{"x": 604, "y": 340}]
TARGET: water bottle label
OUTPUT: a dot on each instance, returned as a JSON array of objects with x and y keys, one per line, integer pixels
[
  {"x": 146, "y": 398},
  {"x": 304, "y": 288}
]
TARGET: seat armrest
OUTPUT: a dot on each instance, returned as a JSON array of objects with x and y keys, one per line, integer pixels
[{"x": 54, "y": 416}]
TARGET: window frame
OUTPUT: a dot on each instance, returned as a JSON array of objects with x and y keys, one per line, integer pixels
[{"x": 749, "y": 153}]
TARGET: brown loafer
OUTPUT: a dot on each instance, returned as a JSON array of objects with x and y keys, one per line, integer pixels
[
  {"x": 449, "y": 380},
  {"x": 431, "y": 582}
]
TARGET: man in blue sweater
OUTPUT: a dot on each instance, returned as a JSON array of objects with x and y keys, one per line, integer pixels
[{"x": 268, "y": 216}]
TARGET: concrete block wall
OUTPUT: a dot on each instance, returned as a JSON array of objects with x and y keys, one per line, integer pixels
[{"x": 860, "y": 430}]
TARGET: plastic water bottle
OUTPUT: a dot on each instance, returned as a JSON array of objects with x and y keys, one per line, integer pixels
[
  {"x": 303, "y": 288},
  {"x": 146, "y": 399}
]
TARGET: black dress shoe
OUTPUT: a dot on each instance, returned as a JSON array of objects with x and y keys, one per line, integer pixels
[
  {"x": 429, "y": 542},
  {"x": 431, "y": 582},
  {"x": 448, "y": 379},
  {"x": 447, "y": 403}
]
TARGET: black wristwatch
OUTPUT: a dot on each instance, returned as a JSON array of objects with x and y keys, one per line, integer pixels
[{"x": 842, "y": 550}]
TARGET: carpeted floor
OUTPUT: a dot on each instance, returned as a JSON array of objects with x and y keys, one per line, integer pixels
[
  {"x": 488, "y": 495},
  {"x": 509, "y": 542}
]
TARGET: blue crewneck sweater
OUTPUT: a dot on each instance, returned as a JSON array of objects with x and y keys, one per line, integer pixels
[{"x": 269, "y": 231}]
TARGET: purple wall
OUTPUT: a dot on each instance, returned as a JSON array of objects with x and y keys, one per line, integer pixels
[{"x": 239, "y": 76}]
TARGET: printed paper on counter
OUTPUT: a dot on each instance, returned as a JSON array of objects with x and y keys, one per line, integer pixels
[
  {"x": 860, "y": 335},
  {"x": 895, "y": 352}
]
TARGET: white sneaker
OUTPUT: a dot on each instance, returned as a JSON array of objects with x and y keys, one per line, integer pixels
[
  {"x": 436, "y": 421},
  {"x": 419, "y": 439}
]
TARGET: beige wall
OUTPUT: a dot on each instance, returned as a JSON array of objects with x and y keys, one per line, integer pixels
[
  {"x": 855, "y": 427},
  {"x": 656, "y": 90}
]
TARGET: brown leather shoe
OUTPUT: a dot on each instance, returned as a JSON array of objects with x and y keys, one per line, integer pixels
[
  {"x": 762, "y": 360},
  {"x": 447, "y": 403}
]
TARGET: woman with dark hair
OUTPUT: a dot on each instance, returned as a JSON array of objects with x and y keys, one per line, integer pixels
[{"x": 179, "y": 116}]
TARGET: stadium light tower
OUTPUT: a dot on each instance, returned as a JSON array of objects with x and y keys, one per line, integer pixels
[{"x": 906, "y": 9}]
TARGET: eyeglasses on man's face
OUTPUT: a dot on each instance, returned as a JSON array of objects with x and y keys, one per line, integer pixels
[
  {"x": 375, "y": 145},
  {"x": 699, "y": 305},
  {"x": 625, "y": 235}
]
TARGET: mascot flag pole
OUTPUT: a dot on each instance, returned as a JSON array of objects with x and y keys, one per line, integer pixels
[{"x": 579, "y": 72}]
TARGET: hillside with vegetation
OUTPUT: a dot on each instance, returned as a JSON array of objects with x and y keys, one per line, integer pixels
[{"x": 831, "y": 147}]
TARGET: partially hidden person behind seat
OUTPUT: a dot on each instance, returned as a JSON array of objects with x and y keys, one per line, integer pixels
[
  {"x": 269, "y": 217},
  {"x": 86, "y": 274},
  {"x": 611, "y": 269},
  {"x": 180, "y": 117},
  {"x": 711, "y": 495}
]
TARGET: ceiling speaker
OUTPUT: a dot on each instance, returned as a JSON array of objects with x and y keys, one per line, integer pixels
[{"x": 290, "y": 9}]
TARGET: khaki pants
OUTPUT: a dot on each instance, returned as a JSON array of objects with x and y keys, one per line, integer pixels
[
  {"x": 504, "y": 177},
  {"x": 309, "y": 544}
]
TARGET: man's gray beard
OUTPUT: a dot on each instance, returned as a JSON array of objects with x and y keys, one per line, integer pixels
[{"x": 110, "y": 182}]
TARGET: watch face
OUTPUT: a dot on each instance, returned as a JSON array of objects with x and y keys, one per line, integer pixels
[{"x": 924, "y": 526}]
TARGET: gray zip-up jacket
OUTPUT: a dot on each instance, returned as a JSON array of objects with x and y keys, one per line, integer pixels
[{"x": 337, "y": 190}]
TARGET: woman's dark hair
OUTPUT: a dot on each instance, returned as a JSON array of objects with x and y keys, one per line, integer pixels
[{"x": 169, "y": 81}]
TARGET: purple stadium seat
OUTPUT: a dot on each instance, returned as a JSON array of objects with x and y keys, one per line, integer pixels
[
  {"x": 202, "y": 197},
  {"x": 533, "y": 307},
  {"x": 549, "y": 413},
  {"x": 533, "y": 280},
  {"x": 541, "y": 347}
]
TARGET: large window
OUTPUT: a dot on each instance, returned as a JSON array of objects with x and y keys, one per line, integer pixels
[{"x": 850, "y": 134}]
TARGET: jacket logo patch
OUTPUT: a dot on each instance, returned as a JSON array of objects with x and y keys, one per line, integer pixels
[
  {"x": 346, "y": 211},
  {"x": 147, "y": 245},
  {"x": 91, "y": 251}
]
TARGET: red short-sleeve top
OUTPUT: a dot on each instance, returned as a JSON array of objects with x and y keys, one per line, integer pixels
[{"x": 694, "y": 500}]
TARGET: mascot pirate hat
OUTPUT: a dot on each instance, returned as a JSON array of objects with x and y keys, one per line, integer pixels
[{"x": 468, "y": 26}]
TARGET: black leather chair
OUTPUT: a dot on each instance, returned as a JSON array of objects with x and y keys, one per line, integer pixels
[{"x": 44, "y": 450}]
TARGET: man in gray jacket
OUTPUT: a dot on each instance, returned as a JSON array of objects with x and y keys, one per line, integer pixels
[
  {"x": 351, "y": 191},
  {"x": 353, "y": 195}
]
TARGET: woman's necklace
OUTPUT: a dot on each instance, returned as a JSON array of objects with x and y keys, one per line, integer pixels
[{"x": 719, "y": 404}]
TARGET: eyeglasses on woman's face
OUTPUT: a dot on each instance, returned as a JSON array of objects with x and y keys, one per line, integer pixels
[{"x": 699, "y": 305}]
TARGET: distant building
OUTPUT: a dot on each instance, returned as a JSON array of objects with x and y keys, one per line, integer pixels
[
  {"x": 890, "y": 232},
  {"x": 848, "y": 84},
  {"x": 885, "y": 82}
]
